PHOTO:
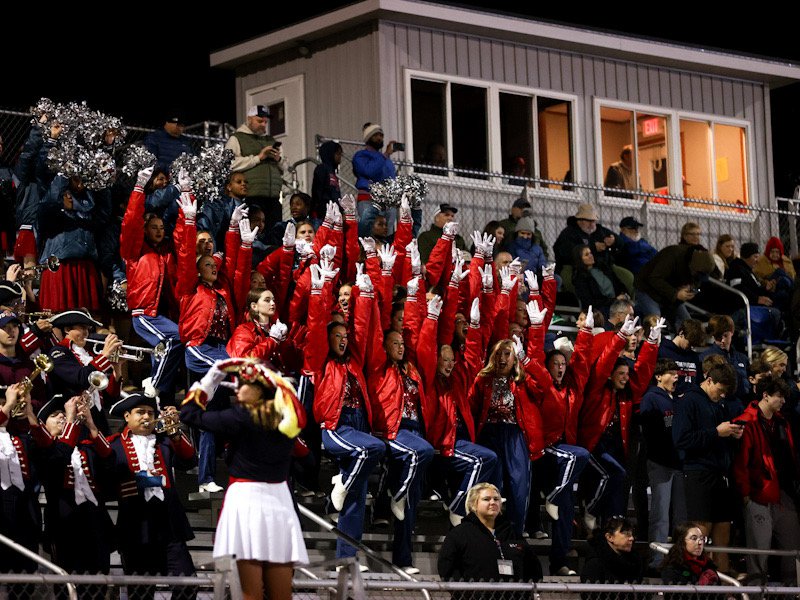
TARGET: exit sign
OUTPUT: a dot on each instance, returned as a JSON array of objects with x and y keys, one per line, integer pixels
[{"x": 651, "y": 126}]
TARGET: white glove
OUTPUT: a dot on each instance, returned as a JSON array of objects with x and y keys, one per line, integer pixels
[
  {"x": 388, "y": 257},
  {"x": 326, "y": 266},
  {"x": 477, "y": 240},
  {"x": 507, "y": 279},
  {"x": 211, "y": 380},
  {"x": 435, "y": 307},
  {"x": 655, "y": 331},
  {"x": 348, "y": 203},
  {"x": 629, "y": 326},
  {"x": 475, "y": 313},
  {"x": 188, "y": 206},
  {"x": 143, "y": 176},
  {"x": 416, "y": 259},
  {"x": 247, "y": 234},
  {"x": 532, "y": 281},
  {"x": 184, "y": 182},
  {"x": 459, "y": 272},
  {"x": 412, "y": 287},
  {"x": 515, "y": 267},
  {"x": 450, "y": 230},
  {"x": 487, "y": 278},
  {"x": 304, "y": 249},
  {"x": 290, "y": 235},
  {"x": 488, "y": 244},
  {"x": 336, "y": 213},
  {"x": 328, "y": 220},
  {"x": 405, "y": 209},
  {"x": 519, "y": 349},
  {"x": 588, "y": 322},
  {"x": 327, "y": 252},
  {"x": 278, "y": 331},
  {"x": 317, "y": 277},
  {"x": 549, "y": 270},
  {"x": 363, "y": 282},
  {"x": 534, "y": 314},
  {"x": 239, "y": 213},
  {"x": 368, "y": 244}
]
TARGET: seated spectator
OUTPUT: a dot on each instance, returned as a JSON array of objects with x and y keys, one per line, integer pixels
[
  {"x": 690, "y": 234},
  {"x": 724, "y": 253},
  {"x": 776, "y": 272},
  {"x": 521, "y": 208},
  {"x": 617, "y": 312},
  {"x": 496, "y": 229},
  {"x": 578, "y": 232},
  {"x": 427, "y": 240},
  {"x": 611, "y": 558},
  {"x": 740, "y": 275},
  {"x": 670, "y": 279},
  {"x": 525, "y": 248},
  {"x": 687, "y": 562},
  {"x": 635, "y": 251},
  {"x": 595, "y": 284},
  {"x": 766, "y": 472}
]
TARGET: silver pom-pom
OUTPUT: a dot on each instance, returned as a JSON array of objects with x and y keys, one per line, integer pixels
[
  {"x": 43, "y": 111},
  {"x": 137, "y": 157},
  {"x": 414, "y": 187},
  {"x": 208, "y": 172},
  {"x": 389, "y": 193},
  {"x": 117, "y": 297}
]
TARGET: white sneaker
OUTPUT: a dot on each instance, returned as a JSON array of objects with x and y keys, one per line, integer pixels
[
  {"x": 455, "y": 519},
  {"x": 338, "y": 493},
  {"x": 540, "y": 535},
  {"x": 565, "y": 572},
  {"x": 361, "y": 567},
  {"x": 211, "y": 487},
  {"x": 411, "y": 570},
  {"x": 552, "y": 510},
  {"x": 590, "y": 521},
  {"x": 399, "y": 509}
]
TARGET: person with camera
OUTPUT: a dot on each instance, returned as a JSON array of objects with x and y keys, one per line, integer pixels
[{"x": 370, "y": 165}]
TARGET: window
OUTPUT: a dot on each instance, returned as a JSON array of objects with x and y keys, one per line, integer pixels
[{"x": 481, "y": 128}]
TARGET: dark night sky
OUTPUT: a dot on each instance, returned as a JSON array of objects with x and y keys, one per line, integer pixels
[{"x": 154, "y": 63}]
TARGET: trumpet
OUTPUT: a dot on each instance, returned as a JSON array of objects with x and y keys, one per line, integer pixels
[
  {"x": 125, "y": 352},
  {"x": 52, "y": 264},
  {"x": 42, "y": 363},
  {"x": 27, "y": 317},
  {"x": 168, "y": 422},
  {"x": 98, "y": 381}
]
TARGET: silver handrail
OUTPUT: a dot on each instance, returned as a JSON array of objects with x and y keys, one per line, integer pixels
[
  {"x": 664, "y": 549},
  {"x": 73, "y": 593},
  {"x": 368, "y": 552},
  {"x": 725, "y": 286}
]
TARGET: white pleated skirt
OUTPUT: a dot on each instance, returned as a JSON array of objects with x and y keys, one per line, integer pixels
[{"x": 258, "y": 522}]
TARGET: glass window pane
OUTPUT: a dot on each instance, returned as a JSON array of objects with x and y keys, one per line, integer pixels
[
  {"x": 555, "y": 139},
  {"x": 652, "y": 156},
  {"x": 428, "y": 124},
  {"x": 469, "y": 124},
  {"x": 516, "y": 136},
  {"x": 616, "y": 135},
  {"x": 696, "y": 159},
  {"x": 730, "y": 163}
]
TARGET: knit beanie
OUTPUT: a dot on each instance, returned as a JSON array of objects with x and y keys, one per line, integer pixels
[{"x": 370, "y": 130}]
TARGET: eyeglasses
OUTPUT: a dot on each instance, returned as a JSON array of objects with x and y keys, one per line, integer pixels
[{"x": 698, "y": 538}]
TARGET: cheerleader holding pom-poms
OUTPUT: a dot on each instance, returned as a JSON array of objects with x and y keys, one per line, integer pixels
[{"x": 258, "y": 522}]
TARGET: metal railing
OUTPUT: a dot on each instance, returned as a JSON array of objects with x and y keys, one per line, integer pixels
[{"x": 73, "y": 594}]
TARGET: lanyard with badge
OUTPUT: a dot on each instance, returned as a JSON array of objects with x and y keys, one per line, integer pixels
[{"x": 504, "y": 567}]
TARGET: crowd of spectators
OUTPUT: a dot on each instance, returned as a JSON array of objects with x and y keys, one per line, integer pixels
[{"x": 413, "y": 352}]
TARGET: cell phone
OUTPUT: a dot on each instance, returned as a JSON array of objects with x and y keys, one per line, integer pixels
[
  {"x": 276, "y": 145},
  {"x": 694, "y": 290},
  {"x": 399, "y": 147},
  {"x": 739, "y": 422}
]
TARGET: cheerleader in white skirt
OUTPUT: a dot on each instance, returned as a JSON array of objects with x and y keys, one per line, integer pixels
[{"x": 258, "y": 523}]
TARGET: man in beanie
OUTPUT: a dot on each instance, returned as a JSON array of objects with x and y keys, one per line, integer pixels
[
  {"x": 525, "y": 248},
  {"x": 670, "y": 279},
  {"x": 256, "y": 154},
  {"x": 370, "y": 165}
]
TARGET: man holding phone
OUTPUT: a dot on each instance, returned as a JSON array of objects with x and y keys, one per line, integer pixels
[
  {"x": 259, "y": 156},
  {"x": 705, "y": 438}
]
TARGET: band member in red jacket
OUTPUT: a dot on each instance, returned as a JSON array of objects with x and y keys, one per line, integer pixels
[
  {"x": 603, "y": 427},
  {"x": 210, "y": 306},
  {"x": 151, "y": 269},
  {"x": 341, "y": 399}
]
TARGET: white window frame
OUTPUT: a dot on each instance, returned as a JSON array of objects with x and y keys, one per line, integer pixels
[
  {"x": 673, "y": 137},
  {"x": 493, "y": 90}
]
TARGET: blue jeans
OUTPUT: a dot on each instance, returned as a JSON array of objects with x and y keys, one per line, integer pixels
[
  {"x": 357, "y": 453},
  {"x": 199, "y": 359},
  {"x": 160, "y": 330},
  {"x": 645, "y": 305}
]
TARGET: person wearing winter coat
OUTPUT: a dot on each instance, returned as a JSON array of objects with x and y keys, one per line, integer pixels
[
  {"x": 325, "y": 181},
  {"x": 611, "y": 558},
  {"x": 524, "y": 247}
]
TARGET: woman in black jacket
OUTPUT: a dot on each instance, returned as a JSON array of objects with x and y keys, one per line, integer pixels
[
  {"x": 611, "y": 558},
  {"x": 595, "y": 283},
  {"x": 484, "y": 547}
]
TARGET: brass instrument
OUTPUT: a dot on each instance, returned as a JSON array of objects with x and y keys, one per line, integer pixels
[
  {"x": 42, "y": 363},
  {"x": 98, "y": 381},
  {"x": 125, "y": 352},
  {"x": 27, "y": 317},
  {"x": 168, "y": 422},
  {"x": 52, "y": 264}
]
